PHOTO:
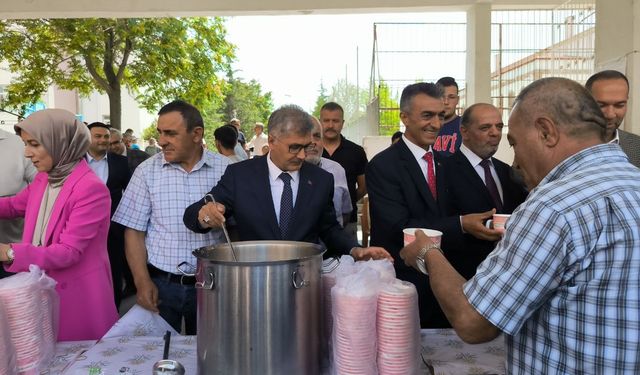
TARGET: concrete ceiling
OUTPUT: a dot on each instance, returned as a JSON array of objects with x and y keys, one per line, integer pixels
[{"x": 176, "y": 8}]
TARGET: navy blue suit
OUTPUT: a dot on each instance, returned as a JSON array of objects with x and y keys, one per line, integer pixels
[
  {"x": 466, "y": 194},
  {"x": 119, "y": 176},
  {"x": 245, "y": 192},
  {"x": 399, "y": 198}
]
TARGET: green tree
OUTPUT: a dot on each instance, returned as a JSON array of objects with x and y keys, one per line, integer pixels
[
  {"x": 151, "y": 131},
  {"x": 157, "y": 59},
  {"x": 389, "y": 110},
  {"x": 245, "y": 101},
  {"x": 320, "y": 101},
  {"x": 351, "y": 98}
]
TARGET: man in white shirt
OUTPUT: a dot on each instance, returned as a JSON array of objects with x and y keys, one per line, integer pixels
[
  {"x": 341, "y": 197},
  {"x": 259, "y": 140},
  {"x": 17, "y": 172},
  {"x": 113, "y": 170}
]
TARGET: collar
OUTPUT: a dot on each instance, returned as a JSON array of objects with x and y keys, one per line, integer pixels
[
  {"x": 274, "y": 171},
  {"x": 417, "y": 151},
  {"x": 474, "y": 159},
  {"x": 594, "y": 154},
  {"x": 91, "y": 158},
  {"x": 206, "y": 159},
  {"x": 616, "y": 139}
]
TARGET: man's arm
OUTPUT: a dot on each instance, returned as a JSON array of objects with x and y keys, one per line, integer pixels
[
  {"x": 136, "y": 253},
  {"x": 446, "y": 285}
]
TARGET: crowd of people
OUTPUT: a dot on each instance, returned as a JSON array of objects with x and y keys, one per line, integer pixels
[{"x": 560, "y": 281}]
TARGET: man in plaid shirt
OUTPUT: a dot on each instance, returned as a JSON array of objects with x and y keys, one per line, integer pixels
[{"x": 563, "y": 283}]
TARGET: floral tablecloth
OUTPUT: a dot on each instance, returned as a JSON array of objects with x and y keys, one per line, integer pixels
[
  {"x": 135, "y": 343},
  {"x": 446, "y": 354}
]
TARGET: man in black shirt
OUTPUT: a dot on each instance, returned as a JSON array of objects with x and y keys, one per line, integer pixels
[{"x": 348, "y": 154}]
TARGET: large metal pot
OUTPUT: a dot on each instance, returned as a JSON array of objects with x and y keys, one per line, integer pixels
[{"x": 260, "y": 314}]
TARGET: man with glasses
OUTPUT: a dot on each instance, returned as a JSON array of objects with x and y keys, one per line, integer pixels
[
  {"x": 117, "y": 145},
  {"x": 296, "y": 198},
  {"x": 449, "y": 139}
]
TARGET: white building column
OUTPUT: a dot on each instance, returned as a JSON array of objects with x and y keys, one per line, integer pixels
[
  {"x": 618, "y": 47},
  {"x": 478, "y": 54}
]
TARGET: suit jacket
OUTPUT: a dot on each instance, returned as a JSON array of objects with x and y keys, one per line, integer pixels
[
  {"x": 119, "y": 176},
  {"x": 74, "y": 252},
  {"x": 630, "y": 144},
  {"x": 135, "y": 158},
  {"x": 399, "y": 198},
  {"x": 244, "y": 189},
  {"x": 467, "y": 194}
]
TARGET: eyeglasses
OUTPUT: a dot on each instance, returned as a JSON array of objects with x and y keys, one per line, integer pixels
[
  {"x": 295, "y": 148},
  {"x": 113, "y": 143}
]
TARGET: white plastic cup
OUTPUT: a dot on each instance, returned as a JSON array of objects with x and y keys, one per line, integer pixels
[
  {"x": 497, "y": 222},
  {"x": 434, "y": 235}
]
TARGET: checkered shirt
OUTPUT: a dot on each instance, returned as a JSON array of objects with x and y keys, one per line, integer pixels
[
  {"x": 155, "y": 200},
  {"x": 564, "y": 283}
]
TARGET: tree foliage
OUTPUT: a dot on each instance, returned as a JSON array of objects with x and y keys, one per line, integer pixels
[
  {"x": 389, "y": 110},
  {"x": 157, "y": 59},
  {"x": 320, "y": 101},
  {"x": 245, "y": 101}
]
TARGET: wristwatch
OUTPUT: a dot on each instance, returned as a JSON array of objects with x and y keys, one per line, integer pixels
[
  {"x": 420, "y": 263},
  {"x": 10, "y": 255}
]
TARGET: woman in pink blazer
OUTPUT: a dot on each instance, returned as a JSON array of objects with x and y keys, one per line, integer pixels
[{"x": 66, "y": 211}]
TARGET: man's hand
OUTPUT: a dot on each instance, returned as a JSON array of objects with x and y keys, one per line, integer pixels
[
  {"x": 410, "y": 252},
  {"x": 147, "y": 295},
  {"x": 373, "y": 252},
  {"x": 211, "y": 215},
  {"x": 474, "y": 225}
]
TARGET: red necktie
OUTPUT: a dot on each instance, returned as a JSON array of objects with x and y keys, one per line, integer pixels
[{"x": 431, "y": 174}]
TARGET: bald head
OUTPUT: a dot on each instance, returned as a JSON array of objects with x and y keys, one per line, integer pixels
[
  {"x": 552, "y": 119},
  {"x": 569, "y": 105}
]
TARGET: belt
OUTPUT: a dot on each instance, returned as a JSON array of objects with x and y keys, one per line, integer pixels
[{"x": 171, "y": 277}]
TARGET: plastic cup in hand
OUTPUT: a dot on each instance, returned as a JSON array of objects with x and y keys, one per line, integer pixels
[
  {"x": 497, "y": 222},
  {"x": 434, "y": 235}
]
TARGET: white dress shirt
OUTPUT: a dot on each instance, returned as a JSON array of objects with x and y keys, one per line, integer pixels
[
  {"x": 475, "y": 161},
  {"x": 277, "y": 185},
  {"x": 100, "y": 167},
  {"x": 418, "y": 153}
]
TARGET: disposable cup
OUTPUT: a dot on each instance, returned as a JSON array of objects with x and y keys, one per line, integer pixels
[
  {"x": 497, "y": 222},
  {"x": 434, "y": 235}
]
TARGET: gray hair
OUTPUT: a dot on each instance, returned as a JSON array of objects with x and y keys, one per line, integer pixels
[
  {"x": 408, "y": 93},
  {"x": 289, "y": 119},
  {"x": 567, "y": 103},
  {"x": 116, "y": 132}
]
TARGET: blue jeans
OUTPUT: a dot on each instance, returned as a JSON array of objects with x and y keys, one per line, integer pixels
[{"x": 175, "y": 302}]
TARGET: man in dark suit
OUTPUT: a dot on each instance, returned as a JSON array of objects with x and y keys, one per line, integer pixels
[
  {"x": 477, "y": 182},
  {"x": 610, "y": 89},
  {"x": 405, "y": 191},
  {"x": 113, "y": 170},
  {"x": 295, "y": 198}
]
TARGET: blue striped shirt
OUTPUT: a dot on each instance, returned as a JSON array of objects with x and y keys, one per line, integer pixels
[
  {"x": 155, "y": 200},
  {"x": 564, "y": 283}
]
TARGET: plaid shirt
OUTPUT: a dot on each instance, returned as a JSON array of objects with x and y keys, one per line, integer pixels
[
  {"x": 563, "y": 284},
  {"x": 155, "y": 200}
]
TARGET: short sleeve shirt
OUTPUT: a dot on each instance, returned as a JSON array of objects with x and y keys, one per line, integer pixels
[
  {"x": 155, "y": 200},
  {"x": 563, "y": 283}
]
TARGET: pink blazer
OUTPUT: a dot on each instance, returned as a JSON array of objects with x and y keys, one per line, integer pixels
[{"x": 75, "y": 250}]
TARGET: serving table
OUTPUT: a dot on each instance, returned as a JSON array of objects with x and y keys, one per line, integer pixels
[{"x": 135, "y": 343}]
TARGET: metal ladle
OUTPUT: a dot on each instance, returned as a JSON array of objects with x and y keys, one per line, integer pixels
[{"x": 224, "y": 227}]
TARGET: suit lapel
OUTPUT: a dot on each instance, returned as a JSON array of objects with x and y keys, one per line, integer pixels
[
  {"x": 266, "y": 205},
  {"x": 112, "y": 171},
  {"x": 305, "y": 187},
  {"x": 412, "y": 167},
  {"x": 472, "y": 176},
  {"x": 67, "y": 188}
]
